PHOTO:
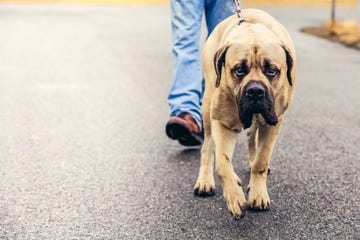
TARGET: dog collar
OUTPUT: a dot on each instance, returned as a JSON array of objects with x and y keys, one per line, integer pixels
[{"x": 238, "y": 11}]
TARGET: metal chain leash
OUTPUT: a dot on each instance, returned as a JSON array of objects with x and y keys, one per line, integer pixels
[{"x": 238, "y": 11}]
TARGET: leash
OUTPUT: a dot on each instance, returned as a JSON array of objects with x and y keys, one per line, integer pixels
[{"x": 238, "y": 11}]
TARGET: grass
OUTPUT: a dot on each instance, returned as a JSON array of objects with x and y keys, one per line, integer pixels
[
  {"x": 345, "y": 32},
  {"x": 313, "y": 3}
]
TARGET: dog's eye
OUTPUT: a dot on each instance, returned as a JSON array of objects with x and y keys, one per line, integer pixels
[
  {"x": 271, "y": 72},
  {"x": 240, "y": 70}
]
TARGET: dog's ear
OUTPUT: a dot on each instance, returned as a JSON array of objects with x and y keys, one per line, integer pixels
[
  {"x": 289, "y": 63},
  {"x": 219, "y": 61}
]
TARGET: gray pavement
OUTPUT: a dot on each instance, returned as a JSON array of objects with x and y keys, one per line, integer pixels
[{"x": 83, "y": 152}]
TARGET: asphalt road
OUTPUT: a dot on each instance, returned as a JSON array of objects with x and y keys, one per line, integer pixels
[{"x": 83, "y": 153}]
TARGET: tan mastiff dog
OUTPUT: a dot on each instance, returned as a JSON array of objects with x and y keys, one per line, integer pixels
[{"x": 250, "y": 71}]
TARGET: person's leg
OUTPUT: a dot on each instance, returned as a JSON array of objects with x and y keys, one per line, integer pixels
[
  {"x": 186, "y": 90},
  {"x": 216, "y": 11}
]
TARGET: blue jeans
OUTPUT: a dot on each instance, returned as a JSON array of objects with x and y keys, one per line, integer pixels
[{"x": 188, "y": 85}]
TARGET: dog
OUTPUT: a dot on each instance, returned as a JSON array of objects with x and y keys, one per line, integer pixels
[{"x": 250, "y": 74}]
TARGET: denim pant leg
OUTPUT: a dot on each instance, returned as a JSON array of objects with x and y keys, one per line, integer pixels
[
  {"x": 216, "y": 11},
  {"x": 186, "y": 90}
]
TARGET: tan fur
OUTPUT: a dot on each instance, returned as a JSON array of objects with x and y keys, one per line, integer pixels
[{"x": 260, "y": 36}]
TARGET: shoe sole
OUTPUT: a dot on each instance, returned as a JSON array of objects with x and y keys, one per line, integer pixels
[{"x": 177, "y": 131}]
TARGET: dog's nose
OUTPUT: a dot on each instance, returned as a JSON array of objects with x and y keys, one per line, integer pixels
[{"x": 255, "y": 92}]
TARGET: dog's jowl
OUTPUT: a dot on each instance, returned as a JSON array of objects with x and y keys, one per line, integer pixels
[{"x": 250, "y": 76}]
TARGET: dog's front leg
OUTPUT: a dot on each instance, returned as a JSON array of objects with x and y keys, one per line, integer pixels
[
  {"x": 225, "y": 140},
  {"x": 205, "y": 184},
  {"x": 258, "y": 196}
]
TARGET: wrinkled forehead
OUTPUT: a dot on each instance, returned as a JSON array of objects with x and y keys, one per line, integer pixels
[
  {"x": 254, "y": 40},
  {"x": 255, "y": 52}
]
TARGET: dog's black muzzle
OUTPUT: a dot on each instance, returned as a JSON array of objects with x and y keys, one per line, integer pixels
[{"x": 256, "y": 99}]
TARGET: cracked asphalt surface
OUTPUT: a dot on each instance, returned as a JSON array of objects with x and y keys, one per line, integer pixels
[{"x": 84, "y": 155}]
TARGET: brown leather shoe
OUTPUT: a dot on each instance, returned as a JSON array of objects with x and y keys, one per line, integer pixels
[{"x": 184, "y": 128}]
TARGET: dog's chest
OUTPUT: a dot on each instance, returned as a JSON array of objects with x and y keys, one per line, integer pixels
[{"x": 258, "y": 119}]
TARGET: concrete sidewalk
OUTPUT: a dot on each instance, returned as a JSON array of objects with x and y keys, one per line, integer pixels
[{"x": 83, "y": 152}]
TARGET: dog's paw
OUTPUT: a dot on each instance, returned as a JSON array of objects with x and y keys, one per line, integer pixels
[
  {"x": 235, "y": 199},
  {"x": 205, "y": 187},
  {"x": 258, "y": 196}
]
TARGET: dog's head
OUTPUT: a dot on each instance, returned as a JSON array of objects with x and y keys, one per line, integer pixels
[{"x": 257, "y": 68}]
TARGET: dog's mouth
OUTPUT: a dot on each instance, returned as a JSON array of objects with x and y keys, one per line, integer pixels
[
  {"x": 260, "y": 104},
  {"x": 256, "y": 106}
]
